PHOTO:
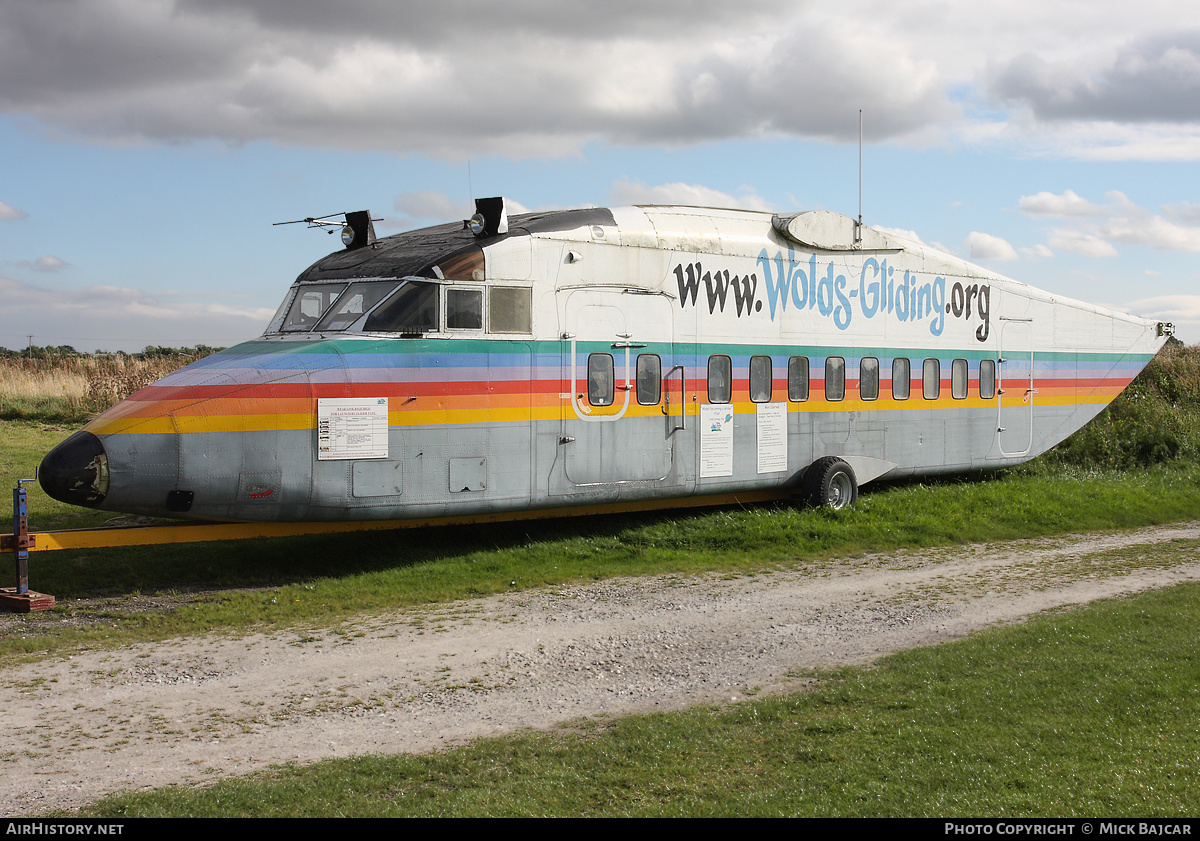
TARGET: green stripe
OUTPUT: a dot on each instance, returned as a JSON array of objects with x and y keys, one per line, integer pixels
[{"x": 452, "y": 345}]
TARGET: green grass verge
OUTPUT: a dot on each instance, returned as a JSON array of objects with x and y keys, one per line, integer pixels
[
  {"x": 45, "y": 409},
  {"x": 1083, "y": 713}
]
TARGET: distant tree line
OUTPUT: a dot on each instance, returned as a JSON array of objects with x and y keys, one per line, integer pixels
[{"x": 66, "y": 351}]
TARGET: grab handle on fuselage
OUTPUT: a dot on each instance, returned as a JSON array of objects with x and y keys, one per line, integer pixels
[{"x": 682, "y": 399}]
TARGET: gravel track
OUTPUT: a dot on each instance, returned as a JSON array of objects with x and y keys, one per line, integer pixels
[{"x": 198, "y": 709}]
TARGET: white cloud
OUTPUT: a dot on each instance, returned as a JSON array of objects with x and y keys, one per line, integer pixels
[
  {"x": 1181, "y": 310},
  {"x": 8, "y": 212},
  {"x": 1067, "y": 204},
  {"x": 1184, "y": 210},
  {"x": 46, "y": 263},
  {"x": 1155, "y": 232},
  {"x": 526, "y": 78},
  {"x": 1168, "y": 307},
  {"x": 1122, "y": 221},
  {"x": 531, "y": 78},
  {"x": 988, "y": 247},
  {"x": 691, "y": 195},
  {"x": 1085, "y": 140},
  {"x": 1037, "y": 252},
  {"x": 913, "y": 237},
  {"x": 1119, "y": 83},
  {"x": 431, "y": 207},
  {"x": 1081, "y": 242},
  {"x": 49, "y": 263},
  {"x": 1153, "y": 79},
  {"x": 122, "y": 317},
  {"x": 903, "y": 233}
]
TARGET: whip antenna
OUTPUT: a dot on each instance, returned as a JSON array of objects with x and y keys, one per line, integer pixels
[{"x": 858, "y": 225}]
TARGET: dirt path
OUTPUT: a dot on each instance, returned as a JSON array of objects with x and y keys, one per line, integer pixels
[{"x": 198, "y": 709}]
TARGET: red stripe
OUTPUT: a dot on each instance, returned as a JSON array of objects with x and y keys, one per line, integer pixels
[
  {"x": 540, "y": 387},
  {"x": 358, "y": 389}
]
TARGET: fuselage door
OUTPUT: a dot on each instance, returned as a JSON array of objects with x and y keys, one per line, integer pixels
[
  {"x": 1015, "y": 386},
  {"x": 616, "y": 353}
]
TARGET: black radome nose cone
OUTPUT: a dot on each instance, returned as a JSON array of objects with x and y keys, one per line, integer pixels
[{"x": 76, "y": 471}]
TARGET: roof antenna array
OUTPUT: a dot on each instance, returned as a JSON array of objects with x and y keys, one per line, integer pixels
[{"x": 357, "y": 228}]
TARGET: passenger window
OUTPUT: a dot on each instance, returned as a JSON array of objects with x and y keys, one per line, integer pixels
[
  {"x": 835, "y": 378},
  {"x": 901, "y": 378},
  {"x": 868, "y": 378},
  {"x": 649, "y": 379},
  {"x": 798, "y": 379},
  {"x": 760, "y": 379},
  {"x": 720, "y": 379},
  {"x": 987, "y": 379},
  {"x": 413, "y": 309},
  {"x": 464, "y": 309},
  {"x": 510, "y": 309},
  {"x": 958, "y": 379},
  {"x": 931, "y": 379},
  {"x": 600, "y": 379}
]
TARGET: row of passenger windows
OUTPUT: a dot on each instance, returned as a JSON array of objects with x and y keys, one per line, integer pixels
[{"x": 602, "y": 385}]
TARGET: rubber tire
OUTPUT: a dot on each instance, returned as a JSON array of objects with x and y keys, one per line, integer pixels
[{"x": 830, "y": 483}]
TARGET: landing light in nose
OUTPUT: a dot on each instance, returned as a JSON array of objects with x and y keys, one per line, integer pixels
[{"x": 76, "y": 471}]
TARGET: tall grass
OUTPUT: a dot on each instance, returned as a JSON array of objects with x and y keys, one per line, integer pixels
[
  {"x": 1155, "y": 420},
  {"x": 74, "y": 388}
]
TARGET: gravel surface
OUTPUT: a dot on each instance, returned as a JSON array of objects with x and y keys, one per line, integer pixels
[{"x": 197, "y": 709}]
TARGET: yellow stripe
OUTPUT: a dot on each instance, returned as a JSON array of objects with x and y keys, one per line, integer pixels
[{"x": 199, "y": 423}]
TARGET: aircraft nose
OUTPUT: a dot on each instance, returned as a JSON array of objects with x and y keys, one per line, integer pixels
[{"x": 76, "y": 471}]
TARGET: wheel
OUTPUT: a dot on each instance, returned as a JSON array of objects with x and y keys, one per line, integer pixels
[{"x": 830, "y": 482}]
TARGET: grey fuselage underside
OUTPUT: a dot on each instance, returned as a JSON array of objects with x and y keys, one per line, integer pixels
[{"x": 515, "y": 466}]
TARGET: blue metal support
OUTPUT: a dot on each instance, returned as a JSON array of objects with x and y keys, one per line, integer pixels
[
  {"x": 21, "y": 598},
  {"x": 21, "y": 536}
]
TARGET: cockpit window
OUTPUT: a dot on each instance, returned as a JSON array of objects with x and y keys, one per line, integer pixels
[
  {"x": 355, "y": 301},
  {"x": 413, "y": 309},
  {"x": 464, "y": 309},
  {"x": 310, "y": 304},
  {"x": 276, "y": 322}
]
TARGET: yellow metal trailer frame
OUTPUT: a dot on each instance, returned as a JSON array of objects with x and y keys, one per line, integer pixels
[
  {"x": 22, "y": 542},
  {"x": 119, "y": 536}
]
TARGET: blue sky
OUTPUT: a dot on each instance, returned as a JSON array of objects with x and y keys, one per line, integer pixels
[{"x": 148, "y": 145}]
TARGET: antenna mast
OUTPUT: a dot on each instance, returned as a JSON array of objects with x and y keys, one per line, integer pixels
[{"x": 858, "y": 225}]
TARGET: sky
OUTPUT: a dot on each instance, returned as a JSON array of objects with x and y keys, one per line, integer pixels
[{"x": 147, "y": 146}]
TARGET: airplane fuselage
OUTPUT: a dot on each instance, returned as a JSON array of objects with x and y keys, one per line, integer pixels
[{"x": 607, "y": 355}]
